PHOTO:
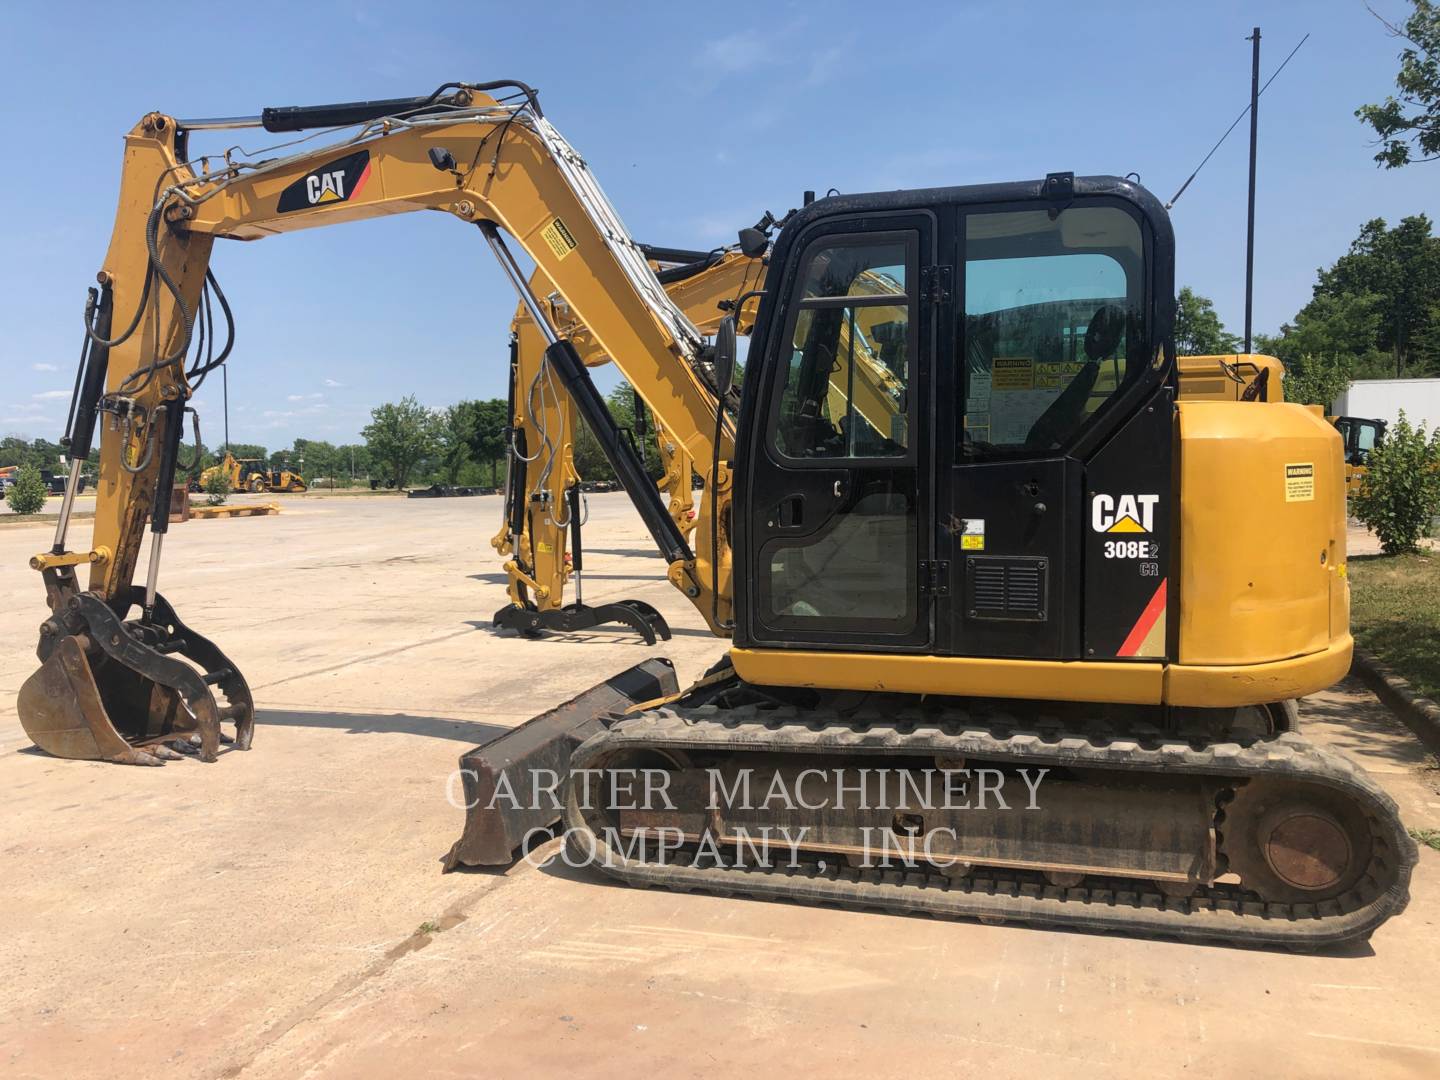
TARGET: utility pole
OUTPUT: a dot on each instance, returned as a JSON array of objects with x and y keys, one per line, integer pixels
[{"x": 1254, "y": 39}]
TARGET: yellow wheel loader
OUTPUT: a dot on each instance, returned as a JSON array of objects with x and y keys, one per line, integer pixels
[{"x": 1022, "y": 645}]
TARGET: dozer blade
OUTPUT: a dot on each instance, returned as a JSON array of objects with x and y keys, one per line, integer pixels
[
  {"x": 113, "y": 690},
  {"x": 515, "y": 785}
]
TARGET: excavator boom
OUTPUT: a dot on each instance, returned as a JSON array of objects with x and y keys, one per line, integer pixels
[{"x": 115, "y": 687}]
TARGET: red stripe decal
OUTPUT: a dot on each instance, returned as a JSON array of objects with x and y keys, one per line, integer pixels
[
  {"x": 1147, "y": 620},
  {"x": 361, "y": 182}
]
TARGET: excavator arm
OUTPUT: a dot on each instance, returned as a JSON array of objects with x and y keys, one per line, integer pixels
[
  {"x": 541, "y": 518},
  {"x": 114, "y": 687}
]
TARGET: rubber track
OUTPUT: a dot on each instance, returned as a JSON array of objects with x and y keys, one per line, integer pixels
[{"x": 1221, "y": 913}]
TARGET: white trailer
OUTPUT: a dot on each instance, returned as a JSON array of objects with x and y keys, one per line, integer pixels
[{"x": 1382, "y": 399}]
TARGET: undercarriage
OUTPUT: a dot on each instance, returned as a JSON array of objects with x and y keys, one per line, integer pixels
[{"x": 1202, "y": 825}]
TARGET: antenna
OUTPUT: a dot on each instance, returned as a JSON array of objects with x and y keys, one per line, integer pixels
[{"x": 1176, "y": 197}]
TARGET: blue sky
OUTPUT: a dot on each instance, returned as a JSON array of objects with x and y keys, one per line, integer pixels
[{"x": 696, "y": 119}]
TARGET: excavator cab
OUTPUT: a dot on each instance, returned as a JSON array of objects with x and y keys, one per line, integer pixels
[{"x": 1034, "y": 370}]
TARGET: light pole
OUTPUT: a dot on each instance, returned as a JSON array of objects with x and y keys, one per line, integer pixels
[{"x": 1250, "y": 224}]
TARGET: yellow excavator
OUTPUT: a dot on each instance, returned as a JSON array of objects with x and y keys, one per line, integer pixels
[{"x": 1026, "y": 650}]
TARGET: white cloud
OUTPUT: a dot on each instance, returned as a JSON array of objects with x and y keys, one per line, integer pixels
[
  {"x": 43, "y": 367},
  {"x": 303, "y": 397},
  {"x": 332, "y": 382},
  {"x": 51, "y": 395},
  {"x": 735, "y": 52},
  {"x": 826, "y": 63}
]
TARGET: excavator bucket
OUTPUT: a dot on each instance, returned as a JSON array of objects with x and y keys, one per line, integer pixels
[
  {"x": 62, "y": 712},
  {"x": 113, "y": 690}
]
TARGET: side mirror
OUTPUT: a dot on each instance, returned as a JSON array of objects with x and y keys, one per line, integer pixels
[
  {"x": 724, "y": 362},
  {"x": 753, "y": 243}
]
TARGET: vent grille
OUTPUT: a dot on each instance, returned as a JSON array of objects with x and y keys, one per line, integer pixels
[{"x": 1007, "y": 588}]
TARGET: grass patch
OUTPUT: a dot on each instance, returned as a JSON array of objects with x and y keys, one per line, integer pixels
[
  {"x": 427, "y": 927},
  {"x": 1429, "y": 837},
  {"x": 1395, "y": 613}
]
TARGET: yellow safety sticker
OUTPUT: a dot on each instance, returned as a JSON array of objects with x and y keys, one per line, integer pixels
[
  {"x": 559, "y": 238},
  {"x": 972, "y": 534},
  {"x": 1012, "y": 373},
  {"x": 1300, "y": 482}
]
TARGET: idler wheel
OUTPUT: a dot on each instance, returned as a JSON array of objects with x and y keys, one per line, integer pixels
[{"x": 1294, "y": 843}]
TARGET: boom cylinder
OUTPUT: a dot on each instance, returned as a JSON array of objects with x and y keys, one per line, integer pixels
[{"x": 566, "y": 363}]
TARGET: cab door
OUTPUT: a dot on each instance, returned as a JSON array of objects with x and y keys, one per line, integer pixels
[
  {"x": 839, "y": 484},
  {"x": 1057, "y": 501}
]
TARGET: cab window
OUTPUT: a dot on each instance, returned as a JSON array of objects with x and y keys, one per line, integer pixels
[
  {"x": 850, "y": 352},
  {"x": 1053, "y": 324}
]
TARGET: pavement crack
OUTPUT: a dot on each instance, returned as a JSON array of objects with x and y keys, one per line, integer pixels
[
  {"x": 367, "y": 658},
  {"x": 348, "y": 983}
]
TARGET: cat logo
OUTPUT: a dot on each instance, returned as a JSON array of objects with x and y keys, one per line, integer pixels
[
  {"x": 326, "y": 187},
  {"x": 334, "y": 182},
  {"x": 1123, "y": 513}
]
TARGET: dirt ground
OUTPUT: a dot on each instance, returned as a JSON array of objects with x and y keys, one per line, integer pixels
[{"x": 257, "y": 917}]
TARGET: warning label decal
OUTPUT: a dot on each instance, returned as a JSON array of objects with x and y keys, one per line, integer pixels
[
  {"x": 1300, "y": 482},
  {"x": 559, "y": 238},
  {"x": 1012, "y": 373}
]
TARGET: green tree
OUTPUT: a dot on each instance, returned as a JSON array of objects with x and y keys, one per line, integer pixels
[
  {"x": 314, "y": 458},
  {"x": 1407, "y": 126},
  {"x": 217, "y": 488},
  {"x": 1333, "y": 325},
  {"x": 246, "y": 450},
  {"x": 453, "y": 428},
  {"x": 40, "y": 453},
  {"x": 1400, "y": 269},
  {"x": 1378, "y": 306},
  {"x": 590, "y": 460},
  {"x": 487, "y": 421},
  {"x": 400, "y": 436},
  {"x": 27, "y": 494},
  {"x": 1317, "y": 379},
  {"x": 1400, "y": 494},
  {"x": 1198, "y": 329},
  {"x": 352, "y": 460}
]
